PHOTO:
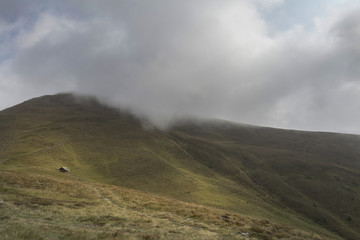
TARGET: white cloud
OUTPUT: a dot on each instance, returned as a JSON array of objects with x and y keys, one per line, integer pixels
[
  {"x": 269, "y": 3},
  {"x": 50, "y": 28},
  {"x": 205, "y": 58}
]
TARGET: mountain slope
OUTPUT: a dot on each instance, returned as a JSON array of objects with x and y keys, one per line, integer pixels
[
  {"x": 39, "y": 207},
  {"x": 293, "y": 178},
  {"x": 315, "y": 174}
]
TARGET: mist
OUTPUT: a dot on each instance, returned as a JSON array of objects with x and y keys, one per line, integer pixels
[{"x": 173, "y": 59}]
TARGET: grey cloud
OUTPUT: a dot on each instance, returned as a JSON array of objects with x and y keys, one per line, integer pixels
[
  {"x": 347, "y": 29},
  {"x": 204, "y": 58}
]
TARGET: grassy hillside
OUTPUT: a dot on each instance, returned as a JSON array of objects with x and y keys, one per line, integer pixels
[
  {"x": 305, "y": 180},
  {"x": 315, "y": 174},
  {"x": 61, "y": 207}
]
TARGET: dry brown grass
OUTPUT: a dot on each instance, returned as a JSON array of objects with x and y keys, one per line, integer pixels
[{"x": 38, "y": 207}]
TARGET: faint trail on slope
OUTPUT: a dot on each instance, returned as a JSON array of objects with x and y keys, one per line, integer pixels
[
  {"x": 4, "y": 160},
  {"x": 110, "y": 201},
  {"x": 7, "y": 145},
  {"x": 99, "y": 193}
]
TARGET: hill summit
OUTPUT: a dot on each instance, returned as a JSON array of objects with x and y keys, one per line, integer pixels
[{"x": 304, "y": 180}]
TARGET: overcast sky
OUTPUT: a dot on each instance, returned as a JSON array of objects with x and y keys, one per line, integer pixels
[{"x": 280, "y": 63}]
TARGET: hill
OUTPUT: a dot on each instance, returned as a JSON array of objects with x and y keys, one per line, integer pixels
[
  {"x": 39, "y": 207},
  {"x": 303, "y": 180}
]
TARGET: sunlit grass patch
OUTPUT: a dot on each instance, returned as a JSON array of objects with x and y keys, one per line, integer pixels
[{"x": 110, "y": 212}]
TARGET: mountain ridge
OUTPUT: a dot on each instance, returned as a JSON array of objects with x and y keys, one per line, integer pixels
[{"x": 279, "y": 175}]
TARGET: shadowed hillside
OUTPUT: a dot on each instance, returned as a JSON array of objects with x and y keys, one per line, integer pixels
[
  {"x": 305, "y": 180},
  {"x": 315, "y": 174}
]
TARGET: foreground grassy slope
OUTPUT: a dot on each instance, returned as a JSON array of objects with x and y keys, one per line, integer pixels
[
  {"x": 270, "y": 174},
  {"x": 61, "y": 207}
]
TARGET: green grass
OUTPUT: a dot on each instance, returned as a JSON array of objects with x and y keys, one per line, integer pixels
[
  {"x": 38, "y": 207},
  {"x": 314, "y": 174},
  {"x": 305, "y": 180}
]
